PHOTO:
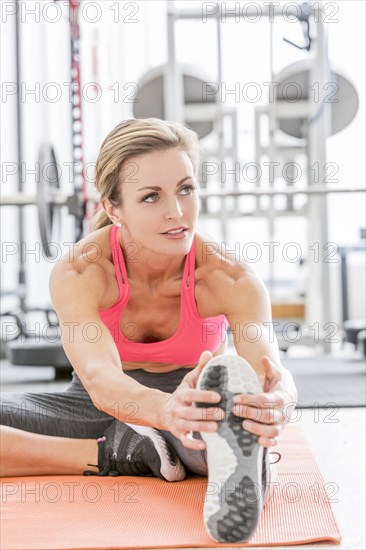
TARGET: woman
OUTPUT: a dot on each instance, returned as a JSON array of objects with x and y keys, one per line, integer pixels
[{"x": 144, "y": 302}]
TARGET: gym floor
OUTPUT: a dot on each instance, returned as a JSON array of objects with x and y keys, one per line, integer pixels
[{"x": 341, "y": 460}]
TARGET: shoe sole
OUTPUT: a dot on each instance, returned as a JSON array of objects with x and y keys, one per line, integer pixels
[
  {"x": 171, "y": 468},
  {"x": 233, "y": 501}
]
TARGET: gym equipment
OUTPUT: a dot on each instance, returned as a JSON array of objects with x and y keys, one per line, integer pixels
[
  {"x": 303, "y": 17},
  {"x": 84, "y": 207},
  {"x": 27, "y": 349},
  {"x": 171, "y": 513},
  {"x": 185, "y": 93},
  {"x": 45, "y": 185},
  {"x": 199, "y": 112},
  {"x": 48, "y": 199},
  {"x": 296, "y": 89},
  {"x": 361, "y": 342},
  {"x": 47, "y": 182},
  {"x": 39, "y": 353},
  {"x": 263, "y": 191},
  {"x": 352, "y": 327},
  {"x": 149, "y": 101},
  {"x": 48, "y": 196},
  {"x": 21, "y": 290},
  {"x": 23, "y": 347},
  {"x": 312, "y": 101}
]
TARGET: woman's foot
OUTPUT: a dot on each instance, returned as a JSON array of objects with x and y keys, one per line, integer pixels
[
  {"x": 234, "y": 498},
  {"x": 136, "y": 451}
]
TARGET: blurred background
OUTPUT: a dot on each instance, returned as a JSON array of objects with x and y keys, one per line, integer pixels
[{"x": 276, "y": 93}]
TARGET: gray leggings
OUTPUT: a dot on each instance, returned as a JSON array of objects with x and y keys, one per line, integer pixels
[{"x": 72, "y": 413}]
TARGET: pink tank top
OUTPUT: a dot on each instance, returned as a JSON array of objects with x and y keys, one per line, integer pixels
[{"x": 194, "y": 334}]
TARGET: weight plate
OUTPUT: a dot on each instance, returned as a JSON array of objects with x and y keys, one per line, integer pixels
[{"x": 48, "y": 182}]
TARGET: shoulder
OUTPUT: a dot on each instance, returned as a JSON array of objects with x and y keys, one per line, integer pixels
[
  {"x": 225, "y": 279},
  {"x": 85, "y": 267},
  {"x": 215, "y": 260},
  {"x": 93, "y": 250}
]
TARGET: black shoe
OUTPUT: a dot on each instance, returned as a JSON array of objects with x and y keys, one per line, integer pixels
[
  {"x": 234, "y": 497},
  {"x": 137, "y": 451}
]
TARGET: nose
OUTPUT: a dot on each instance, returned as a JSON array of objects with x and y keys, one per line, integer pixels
[{"x": 174, "y": 210}]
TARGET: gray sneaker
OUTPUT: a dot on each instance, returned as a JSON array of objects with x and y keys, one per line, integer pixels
[
  {"x": 136, "y": 451},
  {"x": 234, "y": 497}
]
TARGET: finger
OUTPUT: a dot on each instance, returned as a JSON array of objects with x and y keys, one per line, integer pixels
[
  {"x": 204, "y": 358},
  {"x": 189, "y": 396},
  {"x": 194, "y": 444},
  {"x": 204, "y": 414},
  {"x": 267, "y": 442},
  {"x": 270, "y": 432},
  {"x": 196, "y": 426},
  {"x": 190, "y": 442},
  {"x": 266, "y": 416},
  {"x": 260, "y": 400}
]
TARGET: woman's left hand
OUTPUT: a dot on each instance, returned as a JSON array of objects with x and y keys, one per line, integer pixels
[{"x": 266, "y": 413}]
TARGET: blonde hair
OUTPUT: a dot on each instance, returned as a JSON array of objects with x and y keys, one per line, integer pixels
[{"x": 129, "y": 139}]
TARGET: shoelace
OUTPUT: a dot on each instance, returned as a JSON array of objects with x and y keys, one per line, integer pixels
[
  {"x": 275, "y": 453},
  {"x": 104, "y": 472},
  {"x": 111, "y": 468}
]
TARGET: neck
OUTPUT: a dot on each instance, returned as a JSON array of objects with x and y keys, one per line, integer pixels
[{"x": 149, "y": 268}]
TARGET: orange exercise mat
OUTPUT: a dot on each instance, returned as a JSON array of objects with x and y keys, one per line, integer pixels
[{"x": 59, "y": 512}]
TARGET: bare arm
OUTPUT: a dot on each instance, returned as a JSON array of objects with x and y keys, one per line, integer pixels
[
  {"x": 246, "y": 303},
  {"x": 248, "y": 310},
  {"x": 91, "y": 349}
]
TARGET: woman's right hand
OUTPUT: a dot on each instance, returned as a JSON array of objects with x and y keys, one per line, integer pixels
[{"x": 180, "y": 415}]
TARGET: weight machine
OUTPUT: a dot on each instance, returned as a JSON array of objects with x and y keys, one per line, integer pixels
[
  {"x": 308, "y": 123},
  {"x": 23, "y": 348}
]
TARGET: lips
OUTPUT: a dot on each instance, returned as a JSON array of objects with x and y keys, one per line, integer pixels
[{"x": 175, "y": 230}]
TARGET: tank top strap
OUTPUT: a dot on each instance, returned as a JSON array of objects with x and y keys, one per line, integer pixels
[{"x": 118, "y": 260}]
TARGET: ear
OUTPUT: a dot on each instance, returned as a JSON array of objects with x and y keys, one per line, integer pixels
[{"x": 111, "y": 210}]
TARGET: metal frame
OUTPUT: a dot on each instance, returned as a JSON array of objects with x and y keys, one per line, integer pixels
[
  {"x": 318, "y": 298},
  {"x": 174, "y": 93},
  {"x": 57, "y": 198},
  {"x": 343, "y": 253}
]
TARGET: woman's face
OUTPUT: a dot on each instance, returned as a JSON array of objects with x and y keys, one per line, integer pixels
[{"x": 159, "y": 194}]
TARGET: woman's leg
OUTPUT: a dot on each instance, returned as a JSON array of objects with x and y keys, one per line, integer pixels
[
  {"x": 63, "y": 414},
  {"x": 50, "y": 433},
  {"x": 30, "y": 454},
  {"x": 195, "y": 461},
  {"x": 56, "y": 434}
]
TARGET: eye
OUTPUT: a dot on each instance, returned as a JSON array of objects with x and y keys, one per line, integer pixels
[
  {"x": 190, "y": 188},
  {"x": 144, "y": 199}
]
